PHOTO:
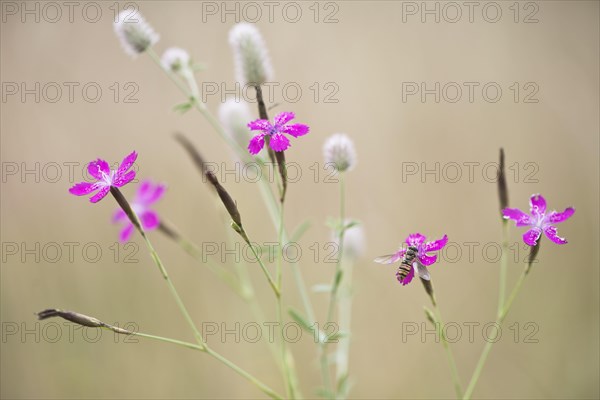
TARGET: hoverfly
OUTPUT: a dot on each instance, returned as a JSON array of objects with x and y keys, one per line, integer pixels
[{"x": 407, "y": 263}]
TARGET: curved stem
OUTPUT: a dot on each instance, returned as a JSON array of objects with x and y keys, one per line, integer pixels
[
  {"x": 334, "y": 289},
  {"x": 450, "y": 356},
  {"x": 264, "y": 388},
  {"x": 499, "y": 319}
]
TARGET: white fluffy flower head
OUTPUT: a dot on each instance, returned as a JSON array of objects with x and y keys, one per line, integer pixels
[
  {"x": 234, "y": 116},
  {"x": 354, "y": 241},
  {"x": 252, "y": 63},
  {"x": 339, "y": 151},
  {"x": 175, "y": 59},
  {"x": 134, "y": 33}
]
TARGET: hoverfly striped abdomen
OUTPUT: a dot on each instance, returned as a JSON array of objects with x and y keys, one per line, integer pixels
[{"x": 407, "y": 263}]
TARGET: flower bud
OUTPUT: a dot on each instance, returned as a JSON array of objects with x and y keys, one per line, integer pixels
[
  {"x": 339, "y": 151},
  {"x": 253, "y": 66},
  {"x": 134, "y": 33}
]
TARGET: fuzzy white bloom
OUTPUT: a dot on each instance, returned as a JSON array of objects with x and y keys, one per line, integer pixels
[
  {"x": 252, "y": 63},
  {"x": 339, "y": 151},
  {"x": 234, "y": 116},
  {"x": 134, "y": 33},
  {"x": 175, "y": 59},
  {"x": 354, "y": 242}
]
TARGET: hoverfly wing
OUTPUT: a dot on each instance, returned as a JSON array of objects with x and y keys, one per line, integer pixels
[
  {"x": 387, "y": 259},
  {"x": 422, "y": 271}
]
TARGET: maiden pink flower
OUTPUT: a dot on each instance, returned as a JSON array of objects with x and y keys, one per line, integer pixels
[
  {"x": 422, "y": 259},
  {"x": 538, "y": 220},
  {"x": 105, "y": 178},
  {"x": 275, "y": 131},
  {"x": 147, "y": 194}
]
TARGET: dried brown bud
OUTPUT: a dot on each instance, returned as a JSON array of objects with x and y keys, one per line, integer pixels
[
  {"x": 502, "y": 188},
  {"x": 74, "y": 317},
  {"x": 80, "y": 319}
]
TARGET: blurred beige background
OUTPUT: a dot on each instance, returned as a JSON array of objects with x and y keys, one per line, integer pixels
[{"x": 368, "y": 53}]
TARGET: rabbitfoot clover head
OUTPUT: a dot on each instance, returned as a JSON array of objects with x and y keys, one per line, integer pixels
[
  {"x": 414, "y": 257},
  {"x": 147, "y": 194},
  {"x": 275, "y": 132},
  {"x": 134, "y": 33},
  {"x": 105, "y": 178},
  {"x": 539, "y": 220}
]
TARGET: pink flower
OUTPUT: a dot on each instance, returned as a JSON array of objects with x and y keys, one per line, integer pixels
[
  {"x": 105, "y": 178},
  {"x": 538, "y": 220},
  {"x": 147, "y": 194},
  {"x": 421, "y": 258},
  {"x": 275, "y": 131}
]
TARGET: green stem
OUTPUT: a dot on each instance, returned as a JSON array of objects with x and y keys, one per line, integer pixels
[
  {"x": 199, "y": 339},
  {"x": 264, "y": 388},
  {"x": 192, "y": 249},
  {"x": 499, "y": 319},
  {"x": 274, "y": 286},
  {"x": 283, "y": 350},
  {"x": 331, "y": 390},
  {"x": 449, "y": 355},
  {"x": 503, "y": 267},
  {"x": 267, "y": 390}
]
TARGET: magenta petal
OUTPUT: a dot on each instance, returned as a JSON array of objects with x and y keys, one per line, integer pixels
[
  {"x": 415, "y": 239},
  {"x": 260, "y": 125},
  {"x": 295, "y": 130},
  {"x": 119, "y": 215},
  {"x": 279, "y": 142},
  {"x": 126, "y": 164},
  {"x": 144, "y": 190},
  {"x": 96, "y": 168},
  {"x": 100, "y": 195},
  {"x": 436, "y": 244},
  {"x": 149, "y": 220},
  {"x": 521, "y": 218},
  {"x": 427, "y": 260},
  {"x": 556, "y": 217},
  {"x": 284, "y": 117},
  {"x": 552, "y": 234},
  {"x": 256, "y": 144},
  {"x": 531, "y": 236},
  {"x": 159, "y": 191},
  {"x": 408, "y": 278},
  {"x": 126, "y": 233},
  {"x": 122, "y": 180},
  {"x": 83, "y": 188},
  {"x": 538, "y": 204}
]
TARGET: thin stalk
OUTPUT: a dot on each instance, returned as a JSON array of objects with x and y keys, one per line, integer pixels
[
  {"x": 267, "y": 390},
  {"x": 499, "y": 319},
  {"x": 272, "y": 283},
  {"x": 192, "y": 249},
  {"x": 264, "y": 388},
  {"x": 265, "y": 190},
  {"x": 503, "y": 267},
  {"x": 334, "y": 289},
  {"x": 449, "y": 355},
  {"x": 286, "y": 370},
  {"x": 345, "y": 319},
  {"x": 124, "y": 204}
]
